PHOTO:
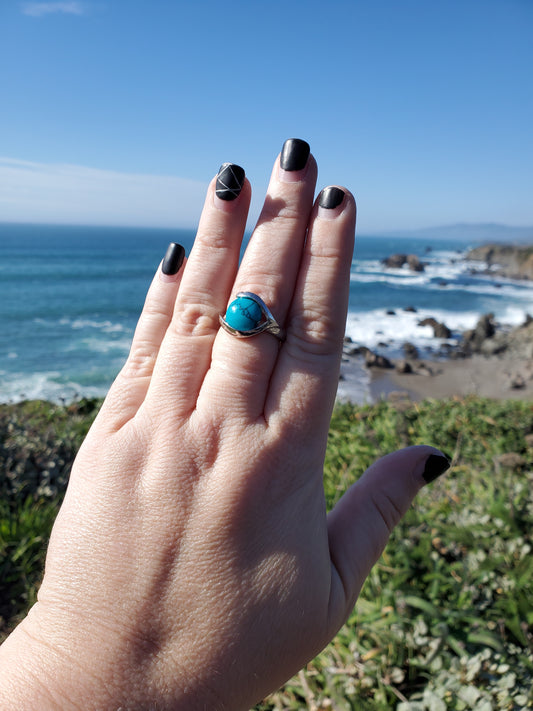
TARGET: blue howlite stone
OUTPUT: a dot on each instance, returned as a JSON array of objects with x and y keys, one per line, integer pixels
[{"x": 243, "y": 314}]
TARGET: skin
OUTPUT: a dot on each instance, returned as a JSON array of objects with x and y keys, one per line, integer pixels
[{"x": 193, "y": 564}]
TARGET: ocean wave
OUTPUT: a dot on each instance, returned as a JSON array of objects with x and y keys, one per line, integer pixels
[
  {"x": 375, "y": 327},
  {"x": 99, "y": 345},
  {"x": 46, "y": 386},
  {"x": 77, "y": 324}
]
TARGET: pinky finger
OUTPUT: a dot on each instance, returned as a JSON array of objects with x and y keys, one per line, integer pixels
[{"x": 127, "y": 393}]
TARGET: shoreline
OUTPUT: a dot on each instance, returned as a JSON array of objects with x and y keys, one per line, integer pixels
[
  {"x": 483, "y": 376},
  {"x": 488, "y": 361}
]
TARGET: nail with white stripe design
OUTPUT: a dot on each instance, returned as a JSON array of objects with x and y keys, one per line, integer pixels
[{"x": 230, "y": 180}]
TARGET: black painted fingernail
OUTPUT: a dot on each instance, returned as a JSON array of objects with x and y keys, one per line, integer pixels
[
  {"x": 230, "y": 180},
  {"x": 294, "y": 154},
  {"x": 330, "y": 198},
  {"x": 173, "y": 259},
  {"x": 436, "y": 464}
]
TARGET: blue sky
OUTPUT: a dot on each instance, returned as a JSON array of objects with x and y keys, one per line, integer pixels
[{"x": 120, "y": 111}]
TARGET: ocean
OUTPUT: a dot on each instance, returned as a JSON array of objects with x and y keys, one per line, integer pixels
[{"x": 70, "y": 298}]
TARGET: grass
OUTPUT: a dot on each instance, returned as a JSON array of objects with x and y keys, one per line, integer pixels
[{"x": 445, "y": 620}]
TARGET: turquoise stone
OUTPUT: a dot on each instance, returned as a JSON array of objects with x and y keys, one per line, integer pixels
[{"x": 243, "y": 314}]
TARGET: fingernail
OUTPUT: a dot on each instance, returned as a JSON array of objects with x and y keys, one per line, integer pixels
[
  {"x": 436, "y": 464},
  {"x": 294, "y": 157},
  {"x": 173, "y": 260},
  {"x": 230, "y": 180},
  {"x": 330, "y": 198}
]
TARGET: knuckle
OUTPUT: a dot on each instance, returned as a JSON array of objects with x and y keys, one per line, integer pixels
[
  {"x": 387, "y": 509},
  {"x": 314, "y": 332},
  {"x": 276, "y": 214},
  {"x": 213, "y": 240},
  {"x": 196, "y": 320},
  {"x": 140, "y": 362}
]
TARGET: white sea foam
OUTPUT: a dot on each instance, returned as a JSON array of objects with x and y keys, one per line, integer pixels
[
  {"x": 105, "y": 326},
  {"x": 99, "y": 345},
  {"x": 81, "y": 323},
  {"x": 45, "y": 386}
]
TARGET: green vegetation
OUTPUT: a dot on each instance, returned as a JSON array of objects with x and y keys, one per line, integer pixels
[{"x": 445, "y": 620}]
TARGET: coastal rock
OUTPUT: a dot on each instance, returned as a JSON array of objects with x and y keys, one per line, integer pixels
[
  {"x": 414, "y": 263},
  {"x": 374, "y": 360},
  {"x": 511, "y": 261},
  {"x": 517, "y": 382},
  {"x": 516, "y": 342},
  {"x": 350, "y": 349},
  {"x": 410, "y": 309},
  {"x": 474, "y": 339},
  {"x": 410, "y": 350},
  {"x": 397, "y": 261},
  {"x": 423, "y": 369},
  {"x": 404, "y": 367},
  {"x": 440, "y": 330}
]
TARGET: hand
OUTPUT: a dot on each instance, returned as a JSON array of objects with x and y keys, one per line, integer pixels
[{"x": 193, "y": 564}]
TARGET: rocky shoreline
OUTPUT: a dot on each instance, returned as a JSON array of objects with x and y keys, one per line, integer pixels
[
  {"x": 491, "y": 360},
  {"x": 504, "y": 260}
]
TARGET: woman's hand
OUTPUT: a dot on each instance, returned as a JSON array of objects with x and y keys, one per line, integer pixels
[{"x": 193, "y": 565}]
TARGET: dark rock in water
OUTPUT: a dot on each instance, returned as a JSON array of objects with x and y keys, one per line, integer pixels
[
  {"x": 404, "y": 367},
  {"x": 374, "y": 360},
  {"x": 411, "y": 309},
  {"x": 474, "y": 339},
  {"x": 395, "y": 261},
  {"x": 410, "y": 350},
  {"x": 390, "y": 312},
  {"x": 440, "y": 330},
  {"x": 382, "y": 344},
  {"x": 486, "y": 326},
  {"x": 350, "y": 349},
  {"x": 415, "y": 265}
]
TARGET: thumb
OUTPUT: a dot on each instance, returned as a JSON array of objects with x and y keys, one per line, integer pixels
[{"x": 360, "y": 524}]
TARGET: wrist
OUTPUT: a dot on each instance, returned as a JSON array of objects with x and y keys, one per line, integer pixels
[{"x": 46, "y": 669}]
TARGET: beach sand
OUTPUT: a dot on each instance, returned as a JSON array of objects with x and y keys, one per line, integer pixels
[{"x": 483, "y": 376}]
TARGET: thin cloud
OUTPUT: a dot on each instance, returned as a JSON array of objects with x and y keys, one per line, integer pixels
[
  {"x": 74, "y": 194},
  {"x": 39, "y": 9}
]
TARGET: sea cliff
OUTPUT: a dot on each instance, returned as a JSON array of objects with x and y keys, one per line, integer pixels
[{"x": 505, "y": 260}]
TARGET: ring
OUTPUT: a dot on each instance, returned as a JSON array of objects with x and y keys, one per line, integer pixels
[{"x": 248, "y": 315}]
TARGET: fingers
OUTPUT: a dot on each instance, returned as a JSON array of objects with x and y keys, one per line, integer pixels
[
  {"x": 360, "y": 524},
  {"x": 307, "y": 373},
  {"x": 206, "y": 283},
  {"x": 241, "y": 368},
  {"x": 129, "y": 389}
]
